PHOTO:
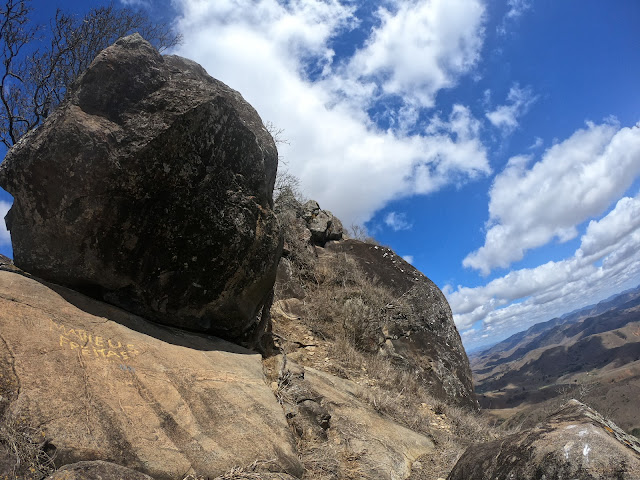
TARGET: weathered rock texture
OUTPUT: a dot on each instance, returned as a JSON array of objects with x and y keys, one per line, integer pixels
[
  {"x": 322, "y": 224},
  {"x": 103, "y": 384},
  {"x": 346, "y": 436},
  {"x": 150, "y": 187},
  {"x": 575, "y": 443},
  {"x": 97, "y": 470},
  {"x": 419, "y": 332}
]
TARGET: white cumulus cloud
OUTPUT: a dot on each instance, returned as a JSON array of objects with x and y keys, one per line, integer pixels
[
  {"x": 607, "y": 261},
  {"x": 505, "y": 117},
  {"x": 279, "y": 56},
  {"x": 397, "y": 221},
  {"x": 575, "y": 180},
  {"x": 419, "y": 48}
]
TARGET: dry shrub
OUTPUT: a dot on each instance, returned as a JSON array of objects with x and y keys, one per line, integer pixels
[
  {"x": 350, "y": 310},
  {"x": 27, "y": 446},
  {"x": 346, "y": 303},
  {"x": 320, "y": 460},
  {"x": 401, "y": 395},
  {"x": 359, "y": 232},
  {"x": 350, "y": 468},
  {"x": 250, "y": 472},
  {"x": 467, "y": 424}
]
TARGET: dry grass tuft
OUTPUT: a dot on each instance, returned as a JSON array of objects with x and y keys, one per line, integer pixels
[
  {"x": 27, "y": 446},
  {"x": 250, "y": 472}
]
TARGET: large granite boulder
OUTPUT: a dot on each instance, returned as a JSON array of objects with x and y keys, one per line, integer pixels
[
  {"x": 93, "y": 382},
  {"x": 151, "y": 188},
  {"x": 418, "y": 331},
  {"x": 575, "y": 443}
]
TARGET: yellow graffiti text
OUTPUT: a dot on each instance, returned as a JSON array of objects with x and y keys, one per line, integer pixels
[{"x": 91, "y": 345}]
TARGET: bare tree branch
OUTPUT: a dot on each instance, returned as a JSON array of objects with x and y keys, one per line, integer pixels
[{"x": 34, "y": 80}]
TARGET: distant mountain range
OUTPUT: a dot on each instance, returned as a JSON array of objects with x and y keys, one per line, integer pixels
[
  {"x": 527, "y": 337},
  {"x": 592, "y": 354}
]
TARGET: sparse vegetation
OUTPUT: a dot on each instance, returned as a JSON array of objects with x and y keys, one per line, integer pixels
[
  {"x": 360, "y": 232},
  {"x": 345, "y": 303},
  {"x": 249, "y": 472},
  {"x": 347, "y": 310},
  {"x": 27, "y": 446}
]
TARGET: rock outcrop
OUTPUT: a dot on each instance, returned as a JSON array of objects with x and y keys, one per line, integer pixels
[
  {"x": 150, "y": 187},
  {"x": 322, "y": 225},
  {"x": 336, "y": 427},
  {"x": 574, "y": 443},
  {"x": 99, "y": 383},
  {"x": 418, "y": 332},
  {"x": 415, "y": 330}
]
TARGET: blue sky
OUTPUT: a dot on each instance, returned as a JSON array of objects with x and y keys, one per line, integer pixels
[{"x": 494, "y": 144}]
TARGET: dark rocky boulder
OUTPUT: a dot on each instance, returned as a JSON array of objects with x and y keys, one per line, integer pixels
[
  {"x": 419, "y": 332},
  {"x": 575, "y": 443},
  {"x": 323, "y": 226},
  {"x": 151, "y": 188}
]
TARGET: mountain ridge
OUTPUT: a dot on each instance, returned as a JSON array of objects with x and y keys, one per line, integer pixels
[{"x": 569, "y": 317}]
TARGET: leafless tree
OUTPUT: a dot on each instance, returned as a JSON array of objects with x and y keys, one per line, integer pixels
[{"x": 40, "y": 62}]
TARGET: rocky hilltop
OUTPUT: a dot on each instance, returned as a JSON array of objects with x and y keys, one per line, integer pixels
[
  {"x": 166, "y": 319},
  {"x": 377, "y": 299}
]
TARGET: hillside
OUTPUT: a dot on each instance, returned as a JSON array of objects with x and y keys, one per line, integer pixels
[
  {"x": 592, "y": 354},
  {"x": 520, "y": 343}
]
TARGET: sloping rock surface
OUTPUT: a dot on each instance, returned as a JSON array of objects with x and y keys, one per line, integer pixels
[
  {"x": 335, "y": 425},
  {"x": 97, "y": 470},
  {"x": 103, "y": 384},
  {"x": 575, "y": 443},
  {"x": 150, "y": 187},
  {"x": 424, "y": 337},
  {"x": 383, "y": 448}
]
